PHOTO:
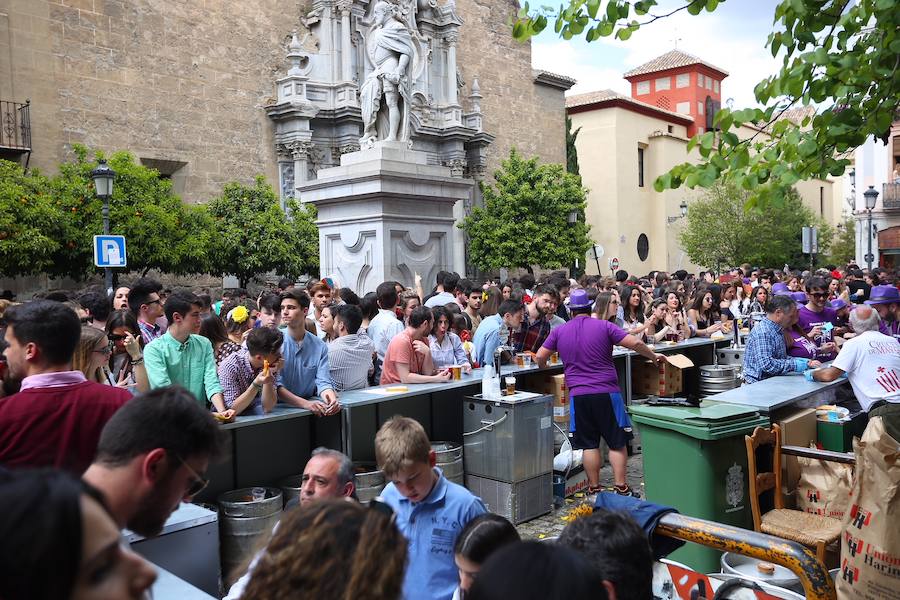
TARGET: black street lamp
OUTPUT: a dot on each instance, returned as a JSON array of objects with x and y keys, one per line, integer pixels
[
  {"x": 870, "y": 195},
  {"x": 103, "y": 178}
]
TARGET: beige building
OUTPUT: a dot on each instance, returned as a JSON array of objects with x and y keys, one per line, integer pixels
[
  {"x": 184, "y": 85},
  {"x": 625, "y": 143}
]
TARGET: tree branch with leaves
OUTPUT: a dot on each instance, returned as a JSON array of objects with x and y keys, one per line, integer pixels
[{"x": 838, "y": 55}]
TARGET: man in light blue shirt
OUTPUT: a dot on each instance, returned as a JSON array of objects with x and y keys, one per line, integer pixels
[
  {"x": 305, "y": 372},
  {"x": 487, "y": 336}
]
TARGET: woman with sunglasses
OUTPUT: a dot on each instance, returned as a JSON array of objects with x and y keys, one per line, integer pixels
[
  {"x": 606, "y": 307},
  {"x": 126, "y": 365},
  {"x": 702, "y": 316},
  {"x": 92, "y": 355}
]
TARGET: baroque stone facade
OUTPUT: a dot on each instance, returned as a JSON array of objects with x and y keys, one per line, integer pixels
[{"x": 183, "y": 85}]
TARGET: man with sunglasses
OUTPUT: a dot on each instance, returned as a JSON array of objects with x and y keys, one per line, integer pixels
[
  {"x": 146, "y": 304},
  {"x": 153, "y": 455},
  {"x": 56, "y": 417},
  {"x": 817, "y": 319}
]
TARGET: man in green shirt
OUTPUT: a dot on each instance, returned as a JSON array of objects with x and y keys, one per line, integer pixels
[{"x": 181, "y": 357}]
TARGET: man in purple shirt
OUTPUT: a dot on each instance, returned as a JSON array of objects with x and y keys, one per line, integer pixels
[
  {"x": 585, "y": 346},
  {"x": 886, "y": 300},
  {"x": 816, "y": 319}
]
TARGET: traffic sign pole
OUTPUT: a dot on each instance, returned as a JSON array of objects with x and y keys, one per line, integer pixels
[{"x": 107, "y": 272}]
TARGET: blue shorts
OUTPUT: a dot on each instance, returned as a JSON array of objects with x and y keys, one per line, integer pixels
[{"x": 596, "y": 416}]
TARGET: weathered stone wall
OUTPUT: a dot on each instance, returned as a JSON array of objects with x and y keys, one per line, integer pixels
[
  {"x": 516, "y": 110},
  {"x": 186, "y": 81}
]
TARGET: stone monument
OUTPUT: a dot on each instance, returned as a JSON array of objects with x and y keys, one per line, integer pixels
[{"x": 369, "y": 128}]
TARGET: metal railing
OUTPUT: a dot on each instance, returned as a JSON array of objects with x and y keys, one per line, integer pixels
[
  {"x": 15, "y": 125},
  {"x": 890, "y": 196}
]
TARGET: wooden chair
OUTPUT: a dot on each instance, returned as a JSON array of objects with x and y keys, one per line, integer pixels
[{"x": 815, "y": 531}]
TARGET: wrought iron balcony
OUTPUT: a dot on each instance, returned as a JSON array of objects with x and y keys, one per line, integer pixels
[
  {"x": 15, "y": 126},
  {"x": 890, "y": 196}
]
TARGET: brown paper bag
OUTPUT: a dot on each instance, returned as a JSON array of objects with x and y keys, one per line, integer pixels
[
  {"x": 870, "y": 538},
  {"x": 824, "y": 487}
]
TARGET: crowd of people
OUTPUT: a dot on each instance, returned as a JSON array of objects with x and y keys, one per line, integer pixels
[{"x": 110, "y": 406}]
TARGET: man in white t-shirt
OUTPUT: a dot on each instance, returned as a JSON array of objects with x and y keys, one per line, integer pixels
[{"x": 871, "y": 361}]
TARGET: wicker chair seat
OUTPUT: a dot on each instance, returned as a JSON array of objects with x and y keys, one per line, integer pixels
[{"x": 799, "y": 526}]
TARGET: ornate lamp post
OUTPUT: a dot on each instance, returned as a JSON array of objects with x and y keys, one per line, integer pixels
[
  {"x": 103, "y": 178},
  {"x": 871, "y": 195}
]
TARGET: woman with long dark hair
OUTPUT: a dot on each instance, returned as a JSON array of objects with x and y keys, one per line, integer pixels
[
  {"x": 212, "y": 328},
  {"x": 702, "y": 315},
  {"x": 126, "y": 365}
]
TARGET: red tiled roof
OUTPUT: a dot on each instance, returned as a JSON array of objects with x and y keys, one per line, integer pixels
[
  {"x": 671, "y": 60},
  {"x": 612, "y": 97}
]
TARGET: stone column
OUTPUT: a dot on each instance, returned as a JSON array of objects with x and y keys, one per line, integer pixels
[
  {"x": 346, "y": 47},
  {"x": 300, "y": 153},
  {"x": 451, "y": 38}
]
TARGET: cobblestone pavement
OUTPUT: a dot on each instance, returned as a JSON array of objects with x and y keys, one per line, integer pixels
[{"x": 552, "y": 524}]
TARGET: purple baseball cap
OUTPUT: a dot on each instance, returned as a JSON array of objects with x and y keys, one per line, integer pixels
[{"x": 838, "y": 304}]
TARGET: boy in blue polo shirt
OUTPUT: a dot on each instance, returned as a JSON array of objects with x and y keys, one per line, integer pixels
[{"x": 430, "y": 510}]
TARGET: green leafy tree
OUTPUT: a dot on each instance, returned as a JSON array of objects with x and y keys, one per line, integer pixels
[
  {"x": 841, "y": 55},
  {"x": 571, "y": 150},
  {"x": 161, "y": 231},
  {"x": 524, "y": 221},
  {"x": 28, "y": 222},
  {"x": 722, "y": 229},
  {"x": 843, "y": 248},
  {"x": 253, "y": 235}
]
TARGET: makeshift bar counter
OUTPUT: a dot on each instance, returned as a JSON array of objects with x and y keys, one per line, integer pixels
[
  {"x": 267, "y": 448},
  {"x": 188, "y": 546}
]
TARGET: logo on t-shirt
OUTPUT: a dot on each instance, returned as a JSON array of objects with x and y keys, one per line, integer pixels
[{"x": 888, "y": 379}]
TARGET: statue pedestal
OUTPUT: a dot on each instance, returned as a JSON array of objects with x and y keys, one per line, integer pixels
[{"x": 385, "y": 214}]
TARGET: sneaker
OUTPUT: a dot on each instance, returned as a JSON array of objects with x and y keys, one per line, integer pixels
[{"x": 626, "y": 491}]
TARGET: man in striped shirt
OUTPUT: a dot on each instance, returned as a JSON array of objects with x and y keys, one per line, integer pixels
[
  {"x": 144, "y": 301},
  {"x": 349, "y": 354}
]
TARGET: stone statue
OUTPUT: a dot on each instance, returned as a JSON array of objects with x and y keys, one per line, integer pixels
[{"x": 393, "y": 47}]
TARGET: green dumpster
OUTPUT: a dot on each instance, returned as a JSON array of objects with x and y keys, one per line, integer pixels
[{"x": 695, "y": 460}]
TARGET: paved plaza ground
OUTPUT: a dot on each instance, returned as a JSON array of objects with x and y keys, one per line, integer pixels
[{"x": 550, "y": 525}]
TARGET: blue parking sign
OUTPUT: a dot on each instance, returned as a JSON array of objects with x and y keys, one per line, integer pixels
[{"x": 109, "y": 251}]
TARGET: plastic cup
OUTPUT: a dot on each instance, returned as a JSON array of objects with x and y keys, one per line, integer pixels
[
  {"x": 258, "y": 493},
  {"x": 510, "y": 385},
  {"x": 456, "y": 372},
  {"x": 554, "y": 358},
  {"x": 520, "y": 360}
]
